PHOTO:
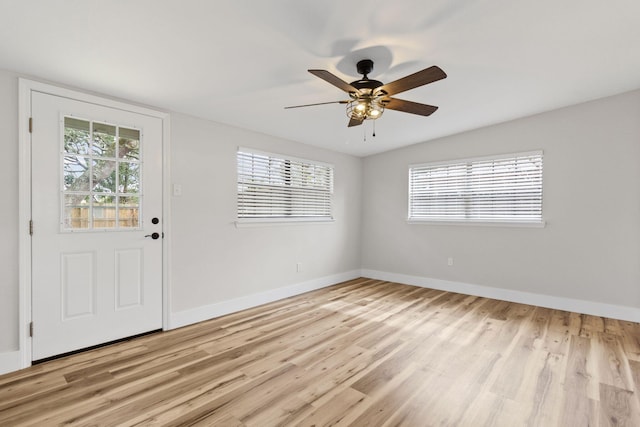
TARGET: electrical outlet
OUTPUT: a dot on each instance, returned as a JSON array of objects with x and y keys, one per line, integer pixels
[
  {"x": 177, "y": 190},
  {"x": 298, "y": 267},
  {"x": 450, "y": 261}
]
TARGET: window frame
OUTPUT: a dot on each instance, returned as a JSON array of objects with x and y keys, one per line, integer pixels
[
  {"x": 514, "y": 222},
  {"x": 283, "y": 219}
]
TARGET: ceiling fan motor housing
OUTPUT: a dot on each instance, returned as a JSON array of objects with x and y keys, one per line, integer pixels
[{"x": 364, "y": 67}]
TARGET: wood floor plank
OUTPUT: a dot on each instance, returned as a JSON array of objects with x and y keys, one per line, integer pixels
[
  {"x": 590, "y": 325},
  {"x": 631, "y": 340},
  {"x": 635, "y": 373},
  {"x": 581, "y": 388},
  {"x": 181, "y": 401},
  {"x": 392, "y": 396},
  {"x": 361, "y": 353},
  {"x": 613, "y": 365},
  {"x": 340, "y": 410},
  {"x": 619, "y": 407},
  {"x": 543, "y": 388}
]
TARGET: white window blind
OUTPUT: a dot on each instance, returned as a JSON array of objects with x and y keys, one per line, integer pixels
[
  {"x": 272, "y": 186},
  {"x": 498, "y": 189}
]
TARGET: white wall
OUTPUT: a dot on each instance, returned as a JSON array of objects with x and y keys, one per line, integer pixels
[
  {"x": 213, "y": 261},
  {"x": 9, "y": 212},
  {"x": 590, "y": 248}
]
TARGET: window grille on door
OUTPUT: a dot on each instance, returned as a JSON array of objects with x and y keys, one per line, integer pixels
[{"x": 101, "y": 176}]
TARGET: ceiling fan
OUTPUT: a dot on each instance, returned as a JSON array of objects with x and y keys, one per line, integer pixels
[{"x": 369, "y": 98}]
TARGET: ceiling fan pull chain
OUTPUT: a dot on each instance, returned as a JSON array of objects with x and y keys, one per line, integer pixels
[
  {"x": 364, "y": 131},
  {"x": 374, "y": 128}
]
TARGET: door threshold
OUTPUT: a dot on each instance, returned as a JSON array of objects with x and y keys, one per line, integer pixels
[{"x": 93, "y": 347}]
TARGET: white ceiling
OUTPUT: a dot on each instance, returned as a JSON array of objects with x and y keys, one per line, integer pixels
[{"x": 240, "y": 62}]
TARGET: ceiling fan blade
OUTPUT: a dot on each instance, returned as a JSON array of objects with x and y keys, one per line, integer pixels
[
  {"x": 318, "y": 103},
  {"x": 334, "y": 80},
  {"x": 421, "y": 78},
  {"x": 409, "y": 106},
  {"x": 355, "y": 122}
]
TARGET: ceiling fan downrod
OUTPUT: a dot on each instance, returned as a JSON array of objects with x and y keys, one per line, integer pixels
[{"x": 364, "y": 67}]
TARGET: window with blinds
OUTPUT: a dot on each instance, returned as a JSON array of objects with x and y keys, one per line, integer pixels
[
  {"x": 497, "y": 189},
  {"x": 275, "y": 187}
]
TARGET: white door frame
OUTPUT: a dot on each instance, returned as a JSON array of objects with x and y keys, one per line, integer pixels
[{"x": 25, "y": 88}]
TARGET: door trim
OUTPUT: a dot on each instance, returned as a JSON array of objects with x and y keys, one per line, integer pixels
[{"x": 25, "y": 88}]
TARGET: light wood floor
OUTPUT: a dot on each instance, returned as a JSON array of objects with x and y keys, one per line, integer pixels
[{"x": 361, "y": 353}]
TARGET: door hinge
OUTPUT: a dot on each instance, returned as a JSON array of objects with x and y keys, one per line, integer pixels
[
  {"x": 30, "y": 124},
  {"x": 31, "y": 329},
  {"x": 30, "y": 227}
]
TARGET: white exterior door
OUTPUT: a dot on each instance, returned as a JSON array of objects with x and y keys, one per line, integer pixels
[{"x": 97, "y": 226}]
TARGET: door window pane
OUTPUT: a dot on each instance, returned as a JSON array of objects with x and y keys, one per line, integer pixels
[
  {"x": 76, "y": 176},
  {"x": 129, "y": 177},
  {"x": 77, "y": 136},
  {"x": 104, "y": 212},
  {"x": 104, "y": 176},
  {"x": 129, "y": 144},
  {"x": 76, "y": 211},
  {"x": 128, "y": 209},
  {"x": 104, "y": 140}
]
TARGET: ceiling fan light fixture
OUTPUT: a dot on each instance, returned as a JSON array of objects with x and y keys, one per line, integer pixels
[{"x": 365, "y": 108}]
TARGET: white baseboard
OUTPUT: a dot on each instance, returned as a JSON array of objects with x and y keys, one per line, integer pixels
[
  {"x": 10, "y": 361},
  {"x": 559, "y": 303},
  {"x": 199, "y": 314}
]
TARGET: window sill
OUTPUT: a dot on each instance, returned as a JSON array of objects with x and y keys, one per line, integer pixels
[
  {"x": 528, "y": 224},
  {"x": 267, "y": 222}
]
